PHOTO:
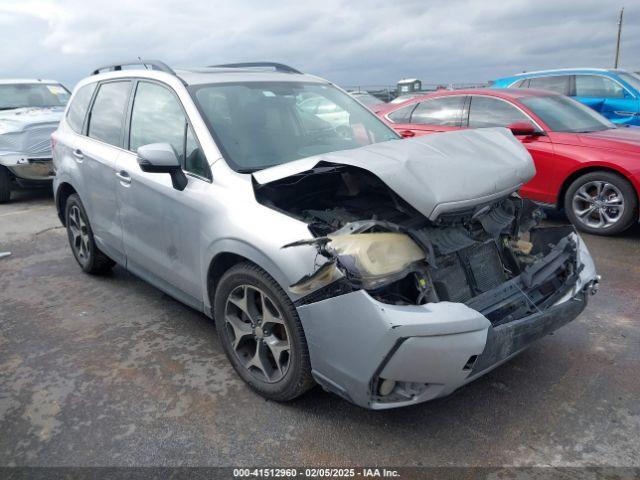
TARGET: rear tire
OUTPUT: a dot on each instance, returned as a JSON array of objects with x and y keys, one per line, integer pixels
[
  {"x": 5, "y": 185},
  {"x": 261, "y": 333},
  {"x": 81, "y": 240},
  {"x": 601, "y": 203}
]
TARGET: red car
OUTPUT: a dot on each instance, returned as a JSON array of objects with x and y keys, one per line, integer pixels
[{"x": 584, "y": 163}]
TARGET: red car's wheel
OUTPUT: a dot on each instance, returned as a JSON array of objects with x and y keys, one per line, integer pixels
[{"x": 601, "y": 203}]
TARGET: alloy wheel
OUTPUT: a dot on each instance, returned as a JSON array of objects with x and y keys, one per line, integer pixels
[
  {"x": 257, "y": 333},
  {"x": 79, "y": 233},
  {"x": 598, "y": 204}
]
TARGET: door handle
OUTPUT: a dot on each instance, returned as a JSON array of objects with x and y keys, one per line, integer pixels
[
  {"x": 78, "y": 154},
  {"x": 124, "y": 177},
  {"x": 407, "y": 134}
]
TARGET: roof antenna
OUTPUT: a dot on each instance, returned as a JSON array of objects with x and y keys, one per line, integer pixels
[{"x": 143, "y": 64}]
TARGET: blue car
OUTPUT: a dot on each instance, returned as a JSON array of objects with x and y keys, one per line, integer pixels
[{"x": 613, "y": 93}]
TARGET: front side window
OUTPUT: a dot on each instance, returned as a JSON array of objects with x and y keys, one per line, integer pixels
[
  {"x": 107, "y": 114},
  {"x": 562, "y": 114},
  {"x": 445, "y": 111},
  {"x": 36, "y": 95},
  {"x": 631, "y": 78},
  {"x": 491, "y": 112},
  {"x": 78, "y": 108},
  {"x": 158, "y": 117},
  {"x": 262, "y": 124},
  {"x": 556, "y": 83},
  {"x": 598, "y": 87}
]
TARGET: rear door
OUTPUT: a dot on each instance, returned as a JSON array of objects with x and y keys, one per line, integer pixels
[
  {"x": 161, "y": 225},
  {"x": 487, "y": 112},
  {"x": 605, "y": 96},
  {"x": 99, "y": 152}
]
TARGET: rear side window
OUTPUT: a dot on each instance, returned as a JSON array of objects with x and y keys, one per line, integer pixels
[
  {"x": 78, "y": 108},
  {"x": 157, "y": 117},
  {"x": 558, "y": 83},
  {"x": 445, "y": 111},
  {"x": 402, "y": 115},
  {"x": 598, "y": 87},
  {"x": 107, "y": 114},
  {"x": 490, "y": 112}
]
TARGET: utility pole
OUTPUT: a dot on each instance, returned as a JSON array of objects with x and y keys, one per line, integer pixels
[{"x": 619, "y": 34}]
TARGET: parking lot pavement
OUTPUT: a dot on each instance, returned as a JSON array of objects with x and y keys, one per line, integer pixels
[{"x": 109, "y": 371}]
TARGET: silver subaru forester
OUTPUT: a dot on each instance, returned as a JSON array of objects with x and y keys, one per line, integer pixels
[{"x": 327, "y": 249}]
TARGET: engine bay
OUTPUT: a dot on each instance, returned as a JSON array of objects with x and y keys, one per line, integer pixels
[{"x": 495, "y": 256}]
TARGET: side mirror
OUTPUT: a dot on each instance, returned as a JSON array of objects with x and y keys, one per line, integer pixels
[
  {"x": 162, "y": 158},
  {"x": 522, "y": 128}
]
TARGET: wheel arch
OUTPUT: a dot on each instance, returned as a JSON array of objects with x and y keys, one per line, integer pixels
[
  {"x": 590, "y": 169},
  {"x": 231, "y": 253},
  {"x": 63, "y": 192}
]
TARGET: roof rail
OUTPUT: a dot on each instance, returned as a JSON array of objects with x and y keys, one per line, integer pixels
[
  {"x": 279, "y": 67},
  {"x": 154, "y": 64}
]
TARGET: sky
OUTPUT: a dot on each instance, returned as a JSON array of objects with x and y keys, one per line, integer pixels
[{"x": 349, "y": 42}]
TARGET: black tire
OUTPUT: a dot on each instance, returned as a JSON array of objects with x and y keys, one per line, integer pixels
[
  {"x": 89, "y": 257},
  {"x": 297, "y": 379},
  {"x": 5, "y": 185},
  {"x": 619, "y": 187}
]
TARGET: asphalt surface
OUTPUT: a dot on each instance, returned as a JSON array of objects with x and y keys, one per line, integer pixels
[{"x": 108, "y": 370}]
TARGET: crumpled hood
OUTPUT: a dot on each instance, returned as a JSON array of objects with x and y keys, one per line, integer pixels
[
  {"x": 18, "y": 119},
  {"x": 434, "y": 173}
]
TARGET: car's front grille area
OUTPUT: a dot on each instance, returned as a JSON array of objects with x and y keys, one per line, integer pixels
[{"x": 462, "y": 275}]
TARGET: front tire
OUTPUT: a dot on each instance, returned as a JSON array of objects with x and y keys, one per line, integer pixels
[
  {"x": 81, "y": 240},
  {"x": 5, "y": 185},
  {"x": 261, "y": 333},
  {"x": 601, "y": 203}
]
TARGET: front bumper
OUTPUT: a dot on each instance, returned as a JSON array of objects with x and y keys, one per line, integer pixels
[
  {"x": 29, "y": 169},
  {"x": 428, "y": 351}
]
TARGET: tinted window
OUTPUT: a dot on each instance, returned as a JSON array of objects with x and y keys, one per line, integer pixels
[
  {"x": 558, "y": 83},
  {"x": 563, "y": 114},
  {"x": 261, "y": 124},
  {"x": 157, "y": 117},
  {"x": 107, "y": 113},
  {"x": 403, "y": 115},
  {"x": 446, "y": 111},
  {"x": 596, "y": 86},
  {"x": 491, "y": 112},
  {"x": 78, "y": 108}
]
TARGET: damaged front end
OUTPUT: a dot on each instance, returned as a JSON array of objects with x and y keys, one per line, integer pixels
[
  {"x": 494, "y": 257},
  {"x": 421, "y": 286}
]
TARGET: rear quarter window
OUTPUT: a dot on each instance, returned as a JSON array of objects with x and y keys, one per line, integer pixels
[{"x": 78, "y": 108}]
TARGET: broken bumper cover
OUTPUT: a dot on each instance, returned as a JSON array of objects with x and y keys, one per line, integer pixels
[{"x": 425, "y": 351}]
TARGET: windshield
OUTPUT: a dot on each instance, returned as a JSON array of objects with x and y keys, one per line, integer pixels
[
  {"x": 562, "y": 114},
  {"x": 42, "y": 95},
  {"x": 262, "y": 124},
  {"x": 631, "y": 78}
]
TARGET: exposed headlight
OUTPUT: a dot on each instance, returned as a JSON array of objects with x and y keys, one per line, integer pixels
[{"x": 368, "y": 259}]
